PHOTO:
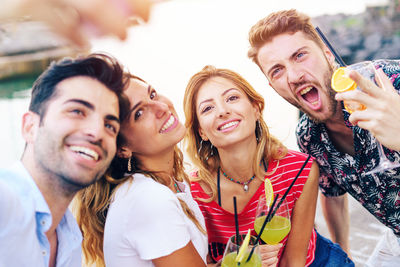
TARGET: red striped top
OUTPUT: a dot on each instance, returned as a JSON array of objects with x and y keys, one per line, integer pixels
[{"x": 220, "y": 223}]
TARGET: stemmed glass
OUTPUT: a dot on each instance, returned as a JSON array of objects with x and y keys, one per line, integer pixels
[
  {"x": 368, "y": 70},
  {"x": 232, "y": 248},
  {"x": 279, "y": 226},
  {"x": 384, "y": 163}
]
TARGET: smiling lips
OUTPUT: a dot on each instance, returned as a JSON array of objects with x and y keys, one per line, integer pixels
[
  {"x": 169, "y": 124},
  {"x": 228, "y": 126},
  {"x": 310, "y": 94},
  {"x": 85, "y": 152}
]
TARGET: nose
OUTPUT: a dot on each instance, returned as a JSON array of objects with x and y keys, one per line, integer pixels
[
  {"x": 94, "y": 128},
  {"x": 223, "y": 110},
  {"x": 160, "y": 108},
  {"x": 295, "y": 74}
]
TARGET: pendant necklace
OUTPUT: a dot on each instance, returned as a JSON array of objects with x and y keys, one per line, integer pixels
[{"x": 245, "y": 184}]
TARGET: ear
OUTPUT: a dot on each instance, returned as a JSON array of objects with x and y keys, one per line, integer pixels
[
  {"x": 257, "y": 111},
  {"x": 203, "y": 135},
  {"x": 124, "y": 152},
  {"x": 30, "y": 125},
  {"x": 329, "y": 55}
]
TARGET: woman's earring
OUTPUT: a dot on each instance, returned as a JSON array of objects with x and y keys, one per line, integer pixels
[
  {"x": 200, "y": 147},
  {"x": 258, "y": 131},
  {"x": 129, "y": 164},
  {"x": 211, "y": 153}
]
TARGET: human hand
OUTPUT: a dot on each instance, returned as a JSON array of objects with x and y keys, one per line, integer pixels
[
  {"x": 382, "y": 114},
  {"x": 218, "y": 264},
  {"x": 75, "y": 20},
  {"x": 269, "y": 254}
]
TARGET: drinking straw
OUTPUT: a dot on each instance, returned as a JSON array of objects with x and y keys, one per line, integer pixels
[
  {"x": 271, "y": 215},
  {"x": 267, "y": 219},
  {"x": 328, "y": 44},
  {"x": 291, "y": 185},
  {"x": 236, "y": 224}
]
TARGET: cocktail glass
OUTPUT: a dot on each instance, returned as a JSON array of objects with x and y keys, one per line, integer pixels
[
  {"x": 278, "y": 227},
  {"x": 368, "y": 70},
  {"x": 232, "y": 248}
]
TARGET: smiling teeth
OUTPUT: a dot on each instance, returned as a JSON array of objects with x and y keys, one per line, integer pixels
[
  {"x": 306, "y": 90},
  {"x": 85, "y": 152},
  {"x": 230, "y": 124},
  {"x": 168, "y": 124}
]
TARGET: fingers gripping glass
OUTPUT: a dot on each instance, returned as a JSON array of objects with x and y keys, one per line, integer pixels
[{"x": 367, "y": 69}]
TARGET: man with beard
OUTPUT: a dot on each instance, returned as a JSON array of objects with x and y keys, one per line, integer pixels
[
  {"x": 299, "y": 67},
  {"x": 70, "y": 132}
]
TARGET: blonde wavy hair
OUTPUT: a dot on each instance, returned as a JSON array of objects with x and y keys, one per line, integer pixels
[
  {"x": 268, "y": 147},
  {"x": 91, "y": 204}
]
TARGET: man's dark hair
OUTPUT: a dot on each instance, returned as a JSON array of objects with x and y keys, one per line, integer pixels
[{"x": 101, "y": 67}]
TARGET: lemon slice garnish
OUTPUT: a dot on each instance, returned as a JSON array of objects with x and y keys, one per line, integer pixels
[
  {"x": 341, "y": 82},
  {"x": 269, "y": 192},
  {"x": 243, "y": 248}
]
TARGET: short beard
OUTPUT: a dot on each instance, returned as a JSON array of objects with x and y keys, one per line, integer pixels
[{"x": 71, "y": 187}]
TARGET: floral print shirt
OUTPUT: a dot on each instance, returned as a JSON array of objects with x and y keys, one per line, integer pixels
[{"x": 340, "y": 172}]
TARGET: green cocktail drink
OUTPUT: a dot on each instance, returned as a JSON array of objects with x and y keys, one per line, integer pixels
[
  {"x": 275, "y": 230},
  {"x": 229, "y": 260}
]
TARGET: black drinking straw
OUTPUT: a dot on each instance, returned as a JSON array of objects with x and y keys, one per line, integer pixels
[
  {"x": 328, "y": 44},
  {"x": 280, "y": 202},
  {"x": 236, "y": 225},
  {"x": 291, "y": 185},
  {"x": 267, "y": 219}
]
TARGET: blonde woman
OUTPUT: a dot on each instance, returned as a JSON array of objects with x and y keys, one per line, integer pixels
[
  {"x": 229, "y": 142},
  {"x": 142, "y": 210}
]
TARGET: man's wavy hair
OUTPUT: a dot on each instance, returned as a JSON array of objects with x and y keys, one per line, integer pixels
[
  {"x": 286, "y": 21},
  {"x": 100, "y": 67}
]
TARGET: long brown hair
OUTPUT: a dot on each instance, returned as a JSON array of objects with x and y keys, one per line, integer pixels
[
  {"x": 268, "y": 147},
  {"x": 91, "y": 204}
]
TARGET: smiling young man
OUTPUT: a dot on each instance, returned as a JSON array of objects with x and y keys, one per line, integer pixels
[
  {"x": 299, "y": 67},
  {"x": 70, "y": 132}
]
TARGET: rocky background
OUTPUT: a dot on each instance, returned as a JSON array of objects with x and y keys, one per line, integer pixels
[{"x": 374, "y": 34}]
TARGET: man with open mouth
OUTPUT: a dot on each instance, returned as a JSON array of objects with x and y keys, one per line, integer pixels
[{"x": 299, "y": 67}]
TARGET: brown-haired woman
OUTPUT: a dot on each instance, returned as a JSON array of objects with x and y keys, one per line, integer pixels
[{"x": 142, "y": 210}]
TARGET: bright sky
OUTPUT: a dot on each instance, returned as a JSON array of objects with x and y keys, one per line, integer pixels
[{"x": 181, "y": 38}]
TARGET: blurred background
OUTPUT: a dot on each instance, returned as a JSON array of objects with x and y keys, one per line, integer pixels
[{"x": 182, "y": 37}]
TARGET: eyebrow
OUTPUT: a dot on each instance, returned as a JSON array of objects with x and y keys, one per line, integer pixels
[
  {"x": 112, "y": 118},
  {"x": 91, "y": 107},
  {"x": 297, "y": 51},
  {"x": 149, "y": 87},
  {"x": 291, "y": 57},
  {"x": 224, "y": 93},
  {"x": 80, "y": 101}
]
